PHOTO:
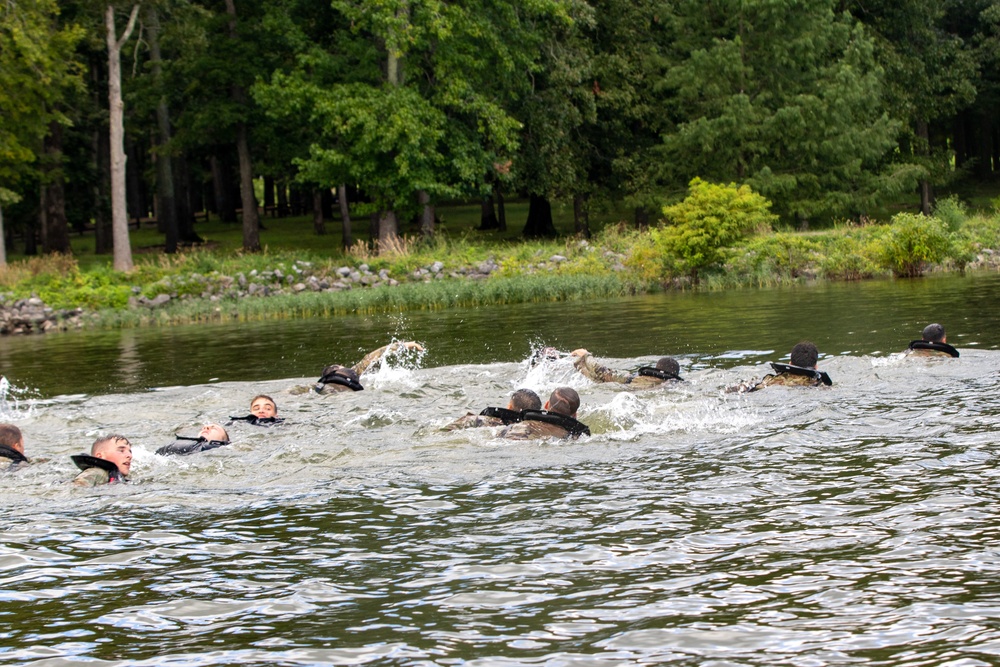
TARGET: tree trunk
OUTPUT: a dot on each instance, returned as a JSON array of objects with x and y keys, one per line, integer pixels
[
  {"x": 388, "y": 228},
  {"x": 319, "y": 225},
  {"x": 269, "y": 195},
  {"x": 222, "y": 187},
  {"x": 641, "y": 216},
  {"x": 3, "y": 242},
  {"x": 102, "y": 198},
  {"x": 539, "y": 223},
  {"x": 166, "y": 212},
  {"x": 135, "y": 196},
  {"x": 185, "y": 205},
  {"x": 101, "y": 151},
  {"x": 487, "y": 215},
  {"x": 283, "y": 209},
  {"x": 501, "y": 208},
  {"x": 926, "y": 193},
  {"x": 986, "y": 148},
  {"x": 345, "y": 216},
  {"x": 426, "y": 215},
  {"x": 251, "y": 220},
  {"x": 119, "y": 216},
  {"x": 55, "y": 228},
  {"x": 373, "y": 229},
  {"x": 581, "y": 216}
]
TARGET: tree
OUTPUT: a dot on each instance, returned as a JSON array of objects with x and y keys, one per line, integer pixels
[
  {"x": 929, "y": 77},
  {"x": 37, "y": 67},
  {"x": 119, "y": 217},
  {"x": 401, "y": 103},
  {"x": 251, "y": 220},
  {"x": 784, "y": 96}
]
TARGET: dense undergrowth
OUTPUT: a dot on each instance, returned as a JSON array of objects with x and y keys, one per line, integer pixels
[{"x": 698, "y": 249}]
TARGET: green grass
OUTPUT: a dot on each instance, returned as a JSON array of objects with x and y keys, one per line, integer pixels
[{"x": 295, "y": 234}]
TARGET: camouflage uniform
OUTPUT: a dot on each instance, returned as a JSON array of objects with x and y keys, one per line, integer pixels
[
  {"x": 928, "y": 353},
  {"x": 92, "y": 477},
  {"x": 16, "y": 458},
  {"x": 530, "y": 429},
  {"x": 590, "y": 368},
  {"x": 787, "y": 380},
  {"x": 471, "y": 420}
]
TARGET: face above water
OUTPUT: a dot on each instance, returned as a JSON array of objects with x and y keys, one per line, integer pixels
[
  {"x": 118, "y": 452},
  {"x": 263, "y": 408},
  {"x": 213, "y": 432}
]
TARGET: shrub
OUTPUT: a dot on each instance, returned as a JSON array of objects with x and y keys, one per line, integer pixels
[
  {"x": 850, "y": 257},
  {"x": 912, "y": 242},
  {"x": 952, "y": 212},
  {"x": 784, "y": 254},
  {"x": 710, "y": 218}
]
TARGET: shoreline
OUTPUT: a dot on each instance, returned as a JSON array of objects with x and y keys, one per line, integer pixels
[{"x": 51, "y": 293}]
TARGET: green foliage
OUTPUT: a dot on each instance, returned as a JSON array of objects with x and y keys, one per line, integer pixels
[
  {"x": 710, "y": 218},
  {"x": 102, "y": 288},
  {"x": 912, "y": 242},
  {"x": 850, "y": 256},
  {"x": 782, "y": 255},
  {"x": 783, "y": 95},
  {"x": 952, "y": 212}
]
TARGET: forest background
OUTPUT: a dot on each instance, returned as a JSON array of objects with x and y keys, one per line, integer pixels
[{"x": 643, "y": 143}]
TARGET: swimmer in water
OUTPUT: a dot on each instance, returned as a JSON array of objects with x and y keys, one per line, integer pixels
[
  {"x": 109, "y": 461},
  {"x": 210, "y": 436},
  {"x": 263, "y": 412},
  {"x": 336, "y": 378},
  {"x": 520, "y": 400}
]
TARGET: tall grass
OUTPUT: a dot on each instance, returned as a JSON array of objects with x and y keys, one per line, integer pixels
[{"x": 413, "y": 296}]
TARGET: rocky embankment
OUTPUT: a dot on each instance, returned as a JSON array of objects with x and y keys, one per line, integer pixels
[
  {"x": 25, "y": 316},
  {"x": 301, "y": 277}
]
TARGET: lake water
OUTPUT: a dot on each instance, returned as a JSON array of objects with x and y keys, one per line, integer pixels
[{"x": 858, "y": 524}]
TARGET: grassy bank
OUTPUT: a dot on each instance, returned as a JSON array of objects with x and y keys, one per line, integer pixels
[{"x": 293, "y": 279}]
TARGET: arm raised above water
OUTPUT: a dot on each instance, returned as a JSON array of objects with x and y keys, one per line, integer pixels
[{"x": 375, "y": 355}]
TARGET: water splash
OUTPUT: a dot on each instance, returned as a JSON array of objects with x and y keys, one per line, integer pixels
[{"x": 16, "y": 402}]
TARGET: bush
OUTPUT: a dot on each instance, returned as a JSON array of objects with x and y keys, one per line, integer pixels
[
  {"x": 952, "y": 212},
  {"x": 781, "y": 255},
  {"x": 851, "y": 257},
  {"x": 912, "y": 242},
  {"x": 710, "y": 218}
]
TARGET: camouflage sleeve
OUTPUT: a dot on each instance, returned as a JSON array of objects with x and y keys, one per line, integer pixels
[
  {"x": 372, "y": 357},
  {"x": 472, "y": 420},
  {"x": 91, "y": 477},
  {"x": 588, "y": 365}
]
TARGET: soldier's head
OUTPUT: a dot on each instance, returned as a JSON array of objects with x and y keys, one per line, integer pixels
[
  {"x": 934, "y": 333},
  {"x": 114, "y": 448},
  {"x": 524, "y": 399},
  {"x": 669, "y": 365},
  {"x": 805, "y": 355},
  {"x": 263, "y": 406},
  {"x": 564, "y": 401},
  {"x": 213, "y": 432},
  {"x": 12, "y": 437}
]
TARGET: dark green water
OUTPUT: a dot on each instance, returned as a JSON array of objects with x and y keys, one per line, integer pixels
[
  {"x": 853, "y": 525},
  {"x": 857, "y": 319}
]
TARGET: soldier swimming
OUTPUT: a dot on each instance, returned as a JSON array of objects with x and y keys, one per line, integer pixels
[
  {"x": 211, "y": 436},
  {"x": 933, "y": 343},
  {"x": 336, "y": 378},
  {"x": 802, "y": 372},
  {"x": 109, "y": 462},
  {"x": 666, "y": 370},
  {"x": 520, "y": 400},
  {"x": 557, "y": 419}
]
